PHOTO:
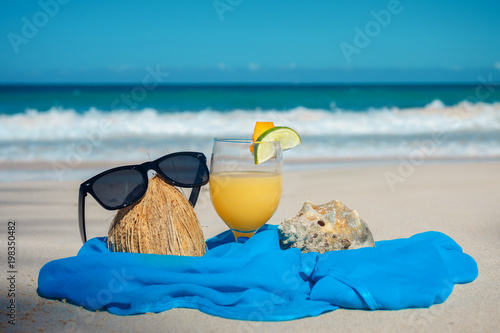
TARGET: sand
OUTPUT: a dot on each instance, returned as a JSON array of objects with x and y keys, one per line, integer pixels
[{"x": 459, "y": 199}]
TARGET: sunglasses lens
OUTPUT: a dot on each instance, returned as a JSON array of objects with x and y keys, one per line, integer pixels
[
  {"x": 185, "y": 169},
  {"x": 119, "y": 187}
]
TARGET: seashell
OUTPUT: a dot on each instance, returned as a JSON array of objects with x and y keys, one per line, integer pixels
[{"x": 328, "y": 227}]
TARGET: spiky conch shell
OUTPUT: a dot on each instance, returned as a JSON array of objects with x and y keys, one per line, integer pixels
[{"x": 162, "y": 222}]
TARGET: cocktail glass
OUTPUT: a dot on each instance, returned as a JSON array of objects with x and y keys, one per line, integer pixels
[{"x": 245, "y": 194}]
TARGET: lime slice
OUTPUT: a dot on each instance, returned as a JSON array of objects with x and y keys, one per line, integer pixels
[
  {"x": 263, "y": 152},
  {"x": 287, "y": 137}
]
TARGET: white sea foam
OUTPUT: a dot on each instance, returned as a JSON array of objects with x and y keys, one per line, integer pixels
[{"x": 464, "y": 130}]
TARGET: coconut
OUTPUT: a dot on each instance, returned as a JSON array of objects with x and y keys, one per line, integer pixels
[{"x": 162, "y": 222}]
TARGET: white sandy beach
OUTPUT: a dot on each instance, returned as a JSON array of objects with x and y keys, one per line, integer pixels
[{"x": 458, "y": 199}]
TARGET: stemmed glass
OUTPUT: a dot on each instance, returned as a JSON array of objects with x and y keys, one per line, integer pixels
[{"x": 245, "y": 194}]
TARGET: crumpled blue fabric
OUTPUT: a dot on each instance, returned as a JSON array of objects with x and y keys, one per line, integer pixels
[{"x": 259, "y": 281}]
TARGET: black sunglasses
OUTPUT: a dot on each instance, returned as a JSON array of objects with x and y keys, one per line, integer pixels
[{"x": 122, "y": 186}]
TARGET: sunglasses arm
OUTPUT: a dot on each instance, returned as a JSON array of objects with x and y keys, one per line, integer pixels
[
  {"x": 81, "y": 213},
  {"x": 193, "y": 197}
]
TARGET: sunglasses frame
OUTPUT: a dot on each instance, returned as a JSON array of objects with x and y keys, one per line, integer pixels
[{"x": 86, "y": 187}]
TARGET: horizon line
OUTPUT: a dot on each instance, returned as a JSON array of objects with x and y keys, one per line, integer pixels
[{"x": 284, "y": 84}]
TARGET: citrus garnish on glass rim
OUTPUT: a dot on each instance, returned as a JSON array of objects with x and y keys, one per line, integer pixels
[{"x": 287, "y": 137}]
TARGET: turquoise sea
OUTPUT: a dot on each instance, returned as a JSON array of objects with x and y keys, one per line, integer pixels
[
  {"x": 225, "y": 98},
  {"x": 73, "y": 124}
]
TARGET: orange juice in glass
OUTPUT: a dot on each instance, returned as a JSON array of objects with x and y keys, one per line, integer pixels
[{"x": 245, "y": 194}]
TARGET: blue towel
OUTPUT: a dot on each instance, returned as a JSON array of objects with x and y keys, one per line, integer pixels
[{"x": 259, "y": 281}]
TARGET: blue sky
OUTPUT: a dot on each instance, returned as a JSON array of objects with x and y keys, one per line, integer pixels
[{"x": 250, "y": 40}]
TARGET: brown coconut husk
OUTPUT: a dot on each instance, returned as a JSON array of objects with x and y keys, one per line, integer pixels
[{"x": 162, "y": 222}]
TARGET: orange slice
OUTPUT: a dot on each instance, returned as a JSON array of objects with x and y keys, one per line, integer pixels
[{"x": 260, "y": 128}]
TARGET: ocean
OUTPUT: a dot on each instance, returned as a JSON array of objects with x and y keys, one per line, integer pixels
[{"x": 73, "y": 124}]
